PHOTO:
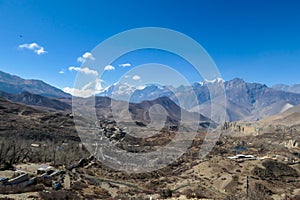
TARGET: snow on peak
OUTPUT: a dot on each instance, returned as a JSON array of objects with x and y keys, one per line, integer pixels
[
  {"x": 201, "y": 83},
  {"x": 141, "y": 87},
  {"x": 217, "y": 80},
  {"x": 213, "y": 81}
]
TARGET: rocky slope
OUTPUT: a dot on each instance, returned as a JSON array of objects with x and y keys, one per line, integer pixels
[
  {"x": 36, "y": 100},
  {"x": 28, "y": 122},
  {"x": 15, "y": 85}
]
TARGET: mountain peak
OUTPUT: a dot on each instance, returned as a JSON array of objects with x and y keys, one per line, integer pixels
[
  {"x": 237, "y": 80},
  {"x": 217, "y": 80},
  {"x": 213, "y": 81}
]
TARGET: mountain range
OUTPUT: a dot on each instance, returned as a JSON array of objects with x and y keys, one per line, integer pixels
[
  {"x": 290, "y": 117},
  {"x": 36, "y": 100},
  {"x": 244, "y": 101},
  {"x": 295, "y": 88},
  {"x": 16, "y": 85}
]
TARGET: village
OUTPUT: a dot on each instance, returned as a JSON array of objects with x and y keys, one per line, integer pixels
[{"x": 236, "y": 161}]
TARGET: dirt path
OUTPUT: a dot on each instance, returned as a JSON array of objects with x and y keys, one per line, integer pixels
[{"x": 123, "y": 183}]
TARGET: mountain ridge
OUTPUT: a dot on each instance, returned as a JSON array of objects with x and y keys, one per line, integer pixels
[
  {"x": 295, "y": 88},
  {"x": 15, "y": 85},
  {"x": 245, "y": 101},
  {"x": 36, "y": 100}
]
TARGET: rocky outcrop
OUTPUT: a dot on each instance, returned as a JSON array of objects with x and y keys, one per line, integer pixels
[
  {"x": 274, "y": 170},
  {"x": 291, "y": 144}
]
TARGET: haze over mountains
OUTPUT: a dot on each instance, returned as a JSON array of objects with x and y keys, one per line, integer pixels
[
  {"x": 288, "y": 88},
  {"x": 245, "y": 101},
  {"x": 290, "y": 117}
]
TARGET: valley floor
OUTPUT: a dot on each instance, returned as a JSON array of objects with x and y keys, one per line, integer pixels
[{"x": 272, "y": 173}]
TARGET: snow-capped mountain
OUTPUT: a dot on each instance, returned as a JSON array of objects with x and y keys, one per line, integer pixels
[
  {"x": 119, "y": 91},
  {"x": 137, "y": 94},
  {"x": 245, "y": 101},
  {"x": 213, "y": 81}
]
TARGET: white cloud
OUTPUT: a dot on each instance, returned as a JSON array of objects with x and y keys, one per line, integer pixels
[
  {"x": 136, "y": 77},
  {"x": 62, "y": 71},
  {"x": 85, "y": 57},
  {"x": 39, "y": 50},
  {"x": 85, "y": 70},
  {"x": 78, "y": 92},
  {"x": 29, "y": 46},
  {"x": 125, "y": 65},
  {"x": 88, "y": 55},
  {"x": 91, "y": 88},
  {"x": 109, "y": 68}
]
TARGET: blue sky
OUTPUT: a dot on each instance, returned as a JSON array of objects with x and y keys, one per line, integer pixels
[{"x": 258, "y": 41}]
